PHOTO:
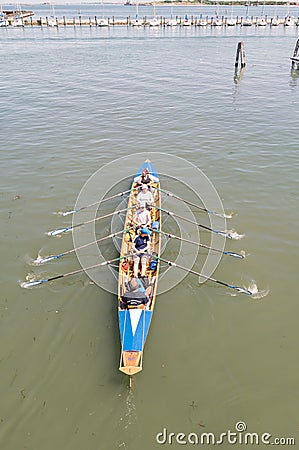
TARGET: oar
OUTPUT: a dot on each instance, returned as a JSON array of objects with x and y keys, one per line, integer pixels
[
  {"x": 235, "y": 255},
  {"x": 170, "y": 194},
  {"x": 66, "y": 229},
  {"x": 72, "y": 211},
  {"x": 231, "y": 286},
  {"x": 51, "y": 257},
  {"x": 29, "y": 284},
  {"x": 170, "y": 213}
]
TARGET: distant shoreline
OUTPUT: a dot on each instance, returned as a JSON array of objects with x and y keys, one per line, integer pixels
[{"x": 168, "y": 2}]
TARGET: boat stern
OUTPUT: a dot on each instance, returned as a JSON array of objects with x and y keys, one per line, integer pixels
[
  {"x": 130, "y": 363},
  {"x": 134, "y": 325}
]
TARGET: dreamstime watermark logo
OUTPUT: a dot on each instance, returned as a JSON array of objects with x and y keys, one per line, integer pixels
[
  {"x": 239, "y": 436},
  {"x": 177, "y": 175}
]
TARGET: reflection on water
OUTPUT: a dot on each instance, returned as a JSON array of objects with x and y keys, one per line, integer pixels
[
  {"x": 238, "y": 74},
  {"x": 294, "y": 74}
]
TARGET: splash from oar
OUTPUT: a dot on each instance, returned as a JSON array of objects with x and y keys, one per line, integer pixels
[
  {"x": 256, "y": 294},
  {"x": 31, "y": 282},
  {"x": 240, "y": 289},
  {"x": 42, "y": 260},
  {"x": 234, "y": 235},
  {"x": 240, "y": 255},
  {"x": 221, "y": 233}
]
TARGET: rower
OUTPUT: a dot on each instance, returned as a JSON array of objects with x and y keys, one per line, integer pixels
[
  {"x": 142, "y": 217},
  {"x": 145, "y": 196},
  {"x": 141, "y": 247},
  {"x": 136, "y": 297},
  {"x": 145, "y": 178}
]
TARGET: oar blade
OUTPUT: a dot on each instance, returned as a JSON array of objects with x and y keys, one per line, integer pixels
[
  {"x": 222, "y": 233},
  {"x": 59, "y": 231},
  {"x": 235, "y": 255},
  {"x": 31, "y": 284},
  {"x": 39, "y": 260},
  {"x": 67, "y": 213},
  {"x": 241, "y": 290}
]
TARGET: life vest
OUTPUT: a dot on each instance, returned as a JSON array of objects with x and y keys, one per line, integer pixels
[{"x": 130, "y": 235}]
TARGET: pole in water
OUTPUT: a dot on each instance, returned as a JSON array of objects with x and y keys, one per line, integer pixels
[
  {"x": 240, "y": 54},
  {"x": 130, "y": 381},
  {"x": 295, "y": 58}
]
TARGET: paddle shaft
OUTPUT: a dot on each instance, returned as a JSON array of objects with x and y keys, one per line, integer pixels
[
  {"x": 64, "y": 230},
  {"x": 104, "y": 263},
  {"x": 99, "y": 218},
  {"x": 170, "y": 213},
  {"x": 90, "y": 243},
  {"x": 120, "y": 194},
  {"x": 222, "y": 283},
  {"x": 237, "y": 255},
  {"x": 170, "y": 194}
]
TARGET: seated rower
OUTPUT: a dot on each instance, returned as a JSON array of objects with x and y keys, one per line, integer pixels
[
  {"x": 141, "y": 247},
  {"x": 136, "y": 296},
  {"x": 145, "y": 178},
  {"x": 145, "y": 196},
  {"x": 142, "y": 217}
]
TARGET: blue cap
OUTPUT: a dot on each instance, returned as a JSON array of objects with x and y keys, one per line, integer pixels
[{"x": 145, "y": 231}]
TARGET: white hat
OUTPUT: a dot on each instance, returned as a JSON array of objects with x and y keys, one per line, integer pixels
[{"x": 144, "y": 186}]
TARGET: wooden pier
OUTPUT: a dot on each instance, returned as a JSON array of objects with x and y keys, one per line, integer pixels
[{"x": 79, "y": 21}]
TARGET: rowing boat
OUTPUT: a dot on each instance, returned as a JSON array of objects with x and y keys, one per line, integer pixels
[
  {"x": 135, "y": 319},
  {"x": 134, "y": 323}
]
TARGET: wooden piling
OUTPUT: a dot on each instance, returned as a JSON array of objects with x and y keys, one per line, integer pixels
[
  {"x": 240, "y": 54},
  {"x": 295, "y": 57}
]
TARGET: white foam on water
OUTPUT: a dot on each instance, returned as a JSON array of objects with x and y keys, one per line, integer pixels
[
  {"x": 31, "y": 281},
  {"x": 256, "y": 294},
  {"x": 42, "y": 260},
  {"x": 29, "y": 284},
  {"x": 38, "y": 260},
  {"x": 235, "y": 235}
]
